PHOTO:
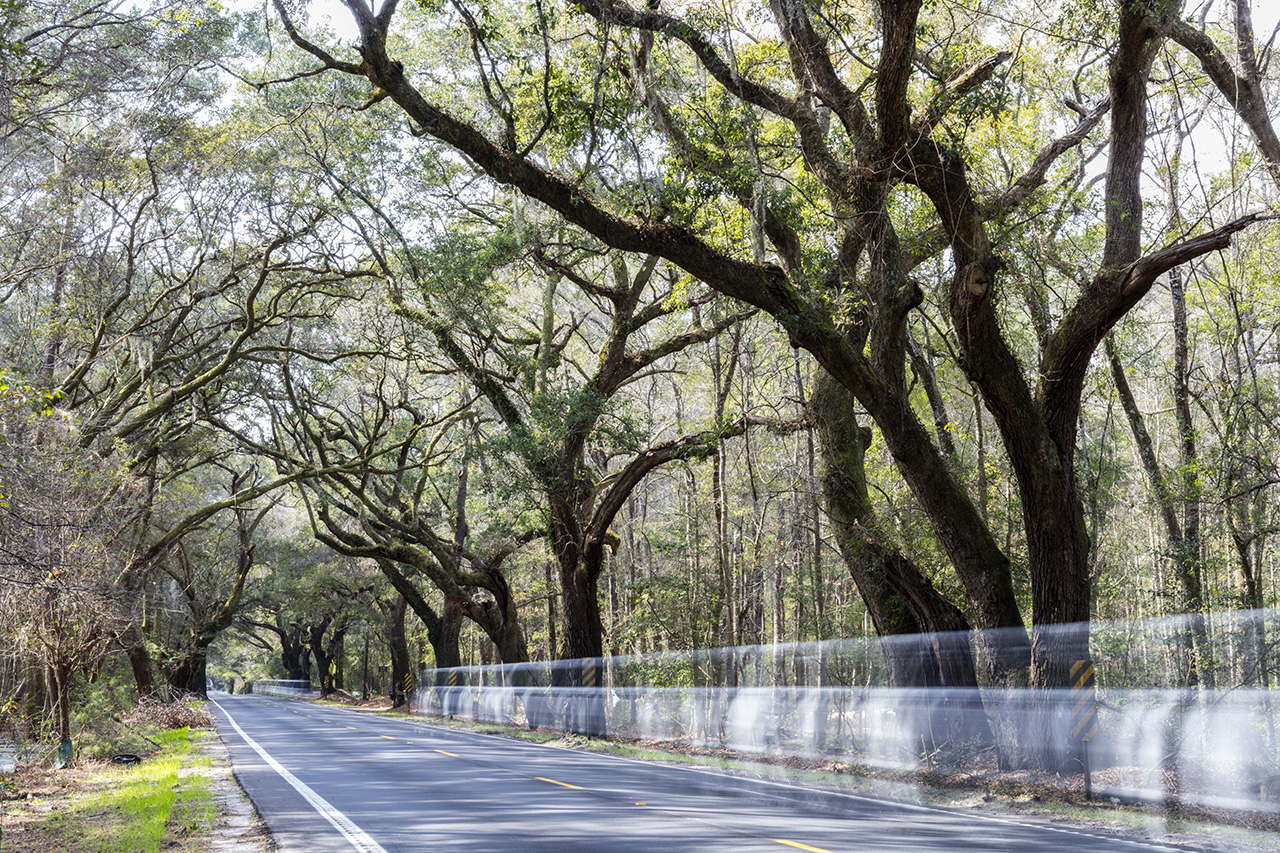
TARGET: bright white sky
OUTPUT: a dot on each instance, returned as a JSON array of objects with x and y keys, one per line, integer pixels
[{"x": 1266, "y": 15}]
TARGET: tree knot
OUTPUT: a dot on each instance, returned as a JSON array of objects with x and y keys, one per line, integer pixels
[{"x": 975, "y": 280}]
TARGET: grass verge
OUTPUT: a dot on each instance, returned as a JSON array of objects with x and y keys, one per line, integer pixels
[{"x": 102, "y": 808}]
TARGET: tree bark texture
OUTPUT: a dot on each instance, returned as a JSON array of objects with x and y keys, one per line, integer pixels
[
  {"x": 926, "y": 639},
  {"x": 398, "y": 645}
]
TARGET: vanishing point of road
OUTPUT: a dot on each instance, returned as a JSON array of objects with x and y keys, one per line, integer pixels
[{"x": 329, "y": 780}]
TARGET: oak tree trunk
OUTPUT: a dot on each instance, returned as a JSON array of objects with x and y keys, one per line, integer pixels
[{"x": 926, "y": 639}]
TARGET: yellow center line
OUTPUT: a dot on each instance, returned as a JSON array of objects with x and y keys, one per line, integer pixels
[
  {"x": 442, "y": 752},
  {"x": 554, "y": 782},
  {"x": 801, "y": 846},
  {"x": 353, "y": 728},
  {"x": 409, "y": 742},
  {"x": 388, "y": 737}
]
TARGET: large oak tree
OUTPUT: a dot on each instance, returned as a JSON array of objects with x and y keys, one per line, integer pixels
[{"x": 840, "y": 121}]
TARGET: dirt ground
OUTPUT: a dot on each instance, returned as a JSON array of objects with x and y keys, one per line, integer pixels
[
  {"x": 238, "y": 828},
  {"x": 34, "y": 801}
]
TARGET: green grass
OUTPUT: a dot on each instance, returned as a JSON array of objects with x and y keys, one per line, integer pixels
[{"x": 151, "y": 803}]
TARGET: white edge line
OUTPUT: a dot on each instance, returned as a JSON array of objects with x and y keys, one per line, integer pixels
[
  {"x": 359, "y": 839},
  {"x": 953, "y": 812}
]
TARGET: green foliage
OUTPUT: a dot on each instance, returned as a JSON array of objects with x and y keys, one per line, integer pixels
[
  {"x": 145, "y": 178},
  {"x": 1089, "y": 21},
  {"x": 459, "y": 269},
  {"x": 96, "y": 718}
]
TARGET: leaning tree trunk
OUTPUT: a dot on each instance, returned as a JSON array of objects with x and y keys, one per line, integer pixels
[
  {"x": 140, "y": 664},
  {"x": 322, "y": 654},
  {"x": 291, "y": 651},
  {"x": 189, "y": 673},
  {"x": 926, "y": 639}
]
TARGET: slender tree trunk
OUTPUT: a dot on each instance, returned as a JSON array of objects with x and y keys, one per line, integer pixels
[
  {"x": 338, "y": 658},
  {"x": 553, "y": 647},
  {"x": 1182, "y": 535},
  {"x": 723, "y": 369},
  {"x": 1187, "y": 556},
  {"x": 60, "y": 685},
  {"x": 53, "y": 347},
  {"x": 364, "y": 687}
]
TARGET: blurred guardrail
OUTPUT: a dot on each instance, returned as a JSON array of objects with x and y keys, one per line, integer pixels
[
  {"x": 286, "y": 688},
  {"x": 1214, "y": 743}
]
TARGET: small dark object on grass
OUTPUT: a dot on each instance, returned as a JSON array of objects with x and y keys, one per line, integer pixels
[{"x": 128, "y": 759}]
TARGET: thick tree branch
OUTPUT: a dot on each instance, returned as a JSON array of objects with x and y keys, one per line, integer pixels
[
  {"x": 313, "y": 49},
  {"x": 898, "y": 30}
]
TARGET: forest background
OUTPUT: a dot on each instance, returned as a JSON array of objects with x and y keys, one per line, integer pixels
[{"x": 488, "y": 331}]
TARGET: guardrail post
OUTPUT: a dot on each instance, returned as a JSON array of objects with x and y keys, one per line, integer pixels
[{"x": 1084, "y": 714}]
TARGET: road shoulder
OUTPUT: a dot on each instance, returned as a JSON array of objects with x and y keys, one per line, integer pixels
[{"x": 239, "y": 829}]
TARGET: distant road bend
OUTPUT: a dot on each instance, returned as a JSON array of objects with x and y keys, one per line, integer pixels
[{"x": 328, "y": 780}]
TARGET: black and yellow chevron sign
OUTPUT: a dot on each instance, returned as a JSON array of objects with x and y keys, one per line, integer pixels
[{"x": 1084, "y": 701}]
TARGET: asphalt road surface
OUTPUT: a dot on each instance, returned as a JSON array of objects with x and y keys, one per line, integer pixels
[{"x": 328, "y": 780}]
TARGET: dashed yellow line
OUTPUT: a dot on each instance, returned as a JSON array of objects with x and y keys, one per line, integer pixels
[
  {"x": 353, "y": 728},
  {"x": 801, "y": 846},
  {"x": 442, "y": 752},
  {"x": 388, "y": 737},
  {"x": 554, "y": 782}
]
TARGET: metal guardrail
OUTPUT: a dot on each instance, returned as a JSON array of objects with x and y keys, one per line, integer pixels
[
  {"x": 285, "y": 688},
  {"x": 1216, "y": 747}
]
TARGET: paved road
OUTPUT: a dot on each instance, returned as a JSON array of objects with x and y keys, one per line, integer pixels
[{"x": 327, "y": 779}]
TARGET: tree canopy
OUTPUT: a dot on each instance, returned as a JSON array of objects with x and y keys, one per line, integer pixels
[{"x": 586, "y": 328}]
